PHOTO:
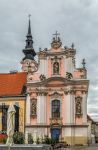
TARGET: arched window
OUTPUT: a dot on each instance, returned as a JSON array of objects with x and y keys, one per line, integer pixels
[
  {"x": 56, "y": 109},
  {"x": 56, "y": 68}
]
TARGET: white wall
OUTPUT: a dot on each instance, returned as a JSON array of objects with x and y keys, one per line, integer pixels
[
  {"x": 69, "y": 109},
  {"x": 43, "y": 67},
  {"x": 41, "y": 109}
]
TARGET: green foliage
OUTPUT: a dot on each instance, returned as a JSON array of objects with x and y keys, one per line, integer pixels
[
  {"x": 30, "y": 139},
  {"x": 38, "y": 141},
  {"x": 48, "y": 140},
  {"x": 18, "y": 138},
  {"x": 4, "y": 140}
]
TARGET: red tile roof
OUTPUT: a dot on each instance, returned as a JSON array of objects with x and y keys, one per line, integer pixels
[{"x": 12, "y": 83}]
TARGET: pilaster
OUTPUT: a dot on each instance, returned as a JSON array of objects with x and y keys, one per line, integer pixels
[
  {"x": 69, "y": 107},
  {"x": 84, "y": 107},
  {"x": 41, "y": 108},
  {"x": 28, "y": 110}
]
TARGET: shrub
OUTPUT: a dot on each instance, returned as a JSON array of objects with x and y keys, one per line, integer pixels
[
  {"x": 51, "y": 141},
  {"x": 38, "y": 141},
  {"x": 18, "y": 138},
  {"x": 30, "y": 139}
]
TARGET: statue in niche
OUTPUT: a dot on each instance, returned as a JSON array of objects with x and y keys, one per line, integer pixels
[
  {"x": 33, "y": 107},
  {"x": 78, "y": 106},
  {"x": 56, "y": 68}
]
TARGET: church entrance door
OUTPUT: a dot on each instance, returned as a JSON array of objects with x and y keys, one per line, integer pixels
[{"x": 55, "y": 133}]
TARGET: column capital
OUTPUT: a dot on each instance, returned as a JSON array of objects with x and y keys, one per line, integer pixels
[
  {"x": 42, "y": 93},
  {"x": 70, "y": 92}
]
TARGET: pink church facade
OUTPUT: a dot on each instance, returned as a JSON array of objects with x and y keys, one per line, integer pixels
[{"x": 56, "y": 103}]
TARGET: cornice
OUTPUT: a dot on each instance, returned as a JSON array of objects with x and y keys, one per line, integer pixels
[{"x": 64, "y": 82}]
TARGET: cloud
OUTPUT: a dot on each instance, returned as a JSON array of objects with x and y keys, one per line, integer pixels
[{"x": 77, "y": 21}]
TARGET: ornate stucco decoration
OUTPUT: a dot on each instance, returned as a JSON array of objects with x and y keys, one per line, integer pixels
[
  {"x": 42, "y": 54},
  {"x": 33, "y": 107},
  {"x": 69, "y": 75},
  {"x": 83, "y": 73},
  {"x": 56, "y": 42},
  {"x": 55, "y": 95},
  {"x": 42, "y": 91},
  {"x": 70, "y": 52},
  {"x": 69, "y": 90},
  {"x": 30, "y": 66},
  {"x": 55, "y": 121},
  {"x": 42, "y": 77},
  {"x": 78, "y": 106}
]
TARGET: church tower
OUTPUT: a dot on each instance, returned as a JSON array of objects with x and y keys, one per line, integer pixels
[{"x": 28, "y": 62}]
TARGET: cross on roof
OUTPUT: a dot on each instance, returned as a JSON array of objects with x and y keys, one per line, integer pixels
[
  {"x": 56, "y": 34},
  {"x": 83, "y": 63}
]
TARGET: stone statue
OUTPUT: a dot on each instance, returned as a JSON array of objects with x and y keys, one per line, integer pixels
[
  {"x": 33, "y": 107},
  {"x": 56, "y": 68},
  {"x": 69, "y": 75},
  {"x": 78, "y": 106}
]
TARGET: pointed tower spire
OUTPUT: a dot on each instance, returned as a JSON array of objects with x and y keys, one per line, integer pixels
[
  {"x": 29, "y": 40},
  {"x": 29, "y": 50},
  {"x": 29, "y": 27}
]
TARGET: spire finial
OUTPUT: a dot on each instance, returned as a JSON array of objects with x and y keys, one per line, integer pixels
[
  {"x": 29, "y": 16},
  {"x": 29, "y": 27},
  {"x": 72, "y": 46},
  {"x": 83, "y": 63}
]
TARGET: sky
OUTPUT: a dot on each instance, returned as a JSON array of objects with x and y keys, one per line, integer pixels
[{"x": 75, "y": 20}]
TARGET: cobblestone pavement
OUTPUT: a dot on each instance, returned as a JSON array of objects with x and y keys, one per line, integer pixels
[{"x": 91, "y": 147}]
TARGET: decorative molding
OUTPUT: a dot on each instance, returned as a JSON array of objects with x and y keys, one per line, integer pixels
[
  {"x": 42, "y": 54},
  {"x": 42, "y": 92},
  {"x": 70, "y": 91},
  {"x": 69, "y": 75},
  {"x": 70, "y": 52},
  {"x": 56, "y": 121},
  {"x": 56, "y": 95},
  {"x": 42, "y": 77},
  {"x": 56, "y": 43},
  {"x": 78, "y": 106},
  {"x": 33, "y": 107}
]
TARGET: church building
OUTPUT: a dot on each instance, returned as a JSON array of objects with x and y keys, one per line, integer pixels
[{"x": 56, "y": 102}]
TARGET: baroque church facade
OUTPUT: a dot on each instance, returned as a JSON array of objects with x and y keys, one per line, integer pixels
[{"x": 56, "y": 102}]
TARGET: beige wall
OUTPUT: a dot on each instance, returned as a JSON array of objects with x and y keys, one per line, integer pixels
[{"x": 12, "y": 101}]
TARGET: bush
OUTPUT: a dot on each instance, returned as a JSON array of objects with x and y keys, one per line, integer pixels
[
  {"x": 18, "y": 138},
  {"x": 51, "y": 141},
  {"x": 38, "y": 141},
  {"x": 30, "y": 139}
]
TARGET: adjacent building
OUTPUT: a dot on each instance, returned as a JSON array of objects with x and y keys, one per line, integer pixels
[
  {"x": 92, "y": 131},
  {"x": 13, "y": 92}
]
